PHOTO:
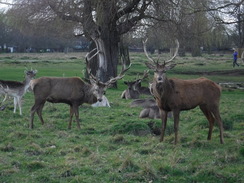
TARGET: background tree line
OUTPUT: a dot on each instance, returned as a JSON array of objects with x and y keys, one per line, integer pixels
[{"x": 115, "y": 24}]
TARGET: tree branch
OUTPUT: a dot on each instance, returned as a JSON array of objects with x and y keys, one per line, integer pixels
[
  {"x": 127, "y": 9},
  {"x": 131, "y": 22},
  {"x": 61, "y": 14}
]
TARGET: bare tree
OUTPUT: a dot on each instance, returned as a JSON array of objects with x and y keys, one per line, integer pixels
[{"x": 100, "y": 20}]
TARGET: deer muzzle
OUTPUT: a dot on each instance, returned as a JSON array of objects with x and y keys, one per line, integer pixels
[
  {"x": 160, "y": 79},
  {"x": 100, "y": 99}
]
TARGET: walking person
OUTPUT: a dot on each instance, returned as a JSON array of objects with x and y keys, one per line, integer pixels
[{"x": 235, "y": 58}]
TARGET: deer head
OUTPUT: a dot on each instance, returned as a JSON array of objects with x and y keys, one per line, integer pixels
[
  {"x": 98, "y": 87},
  {"x": 160, "y": 68},
  {"x": 30, "y": 73},
  {"x": 139, "y": 80}
]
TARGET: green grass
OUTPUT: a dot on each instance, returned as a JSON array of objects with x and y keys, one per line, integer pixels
[{"x": 114, "y": 145}]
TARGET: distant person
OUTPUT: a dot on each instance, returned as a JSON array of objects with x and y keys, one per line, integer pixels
[
  {"x": 242, "y": 56},
  {"x": 235, "y": 58}
]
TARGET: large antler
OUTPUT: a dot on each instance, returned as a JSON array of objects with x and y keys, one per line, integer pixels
[
  {"x": 145, "y": 51},
  {"x": 88, "y": 59},
  {"x": 94, "y": 78},
  {"x": 145, "y": 75},
  {"x": 175, "y": 53},
  {"x": 120, "y": 76},
  {"x": 165, "y": 62}
]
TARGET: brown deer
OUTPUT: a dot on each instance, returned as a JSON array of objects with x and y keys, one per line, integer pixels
[
  {"x": 135, "y": 89},
  {"x": 16, "y": 89},
  {"x": 130, "y": 92},
  {"x": 141, "y": 89},
  {"x": 150, "y": 109},
  {"x": 177, "y": 95},
  {"x": 72, "y": 91}
]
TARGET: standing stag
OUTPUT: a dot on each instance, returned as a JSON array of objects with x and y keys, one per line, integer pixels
[
  {"x": 177, "y": 95},
  {"x": 17, "y": 89},
  {"x": 72, "y": 91}
]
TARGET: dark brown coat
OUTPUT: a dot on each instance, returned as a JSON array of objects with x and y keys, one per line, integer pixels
[{"x": 72, "y": 91}]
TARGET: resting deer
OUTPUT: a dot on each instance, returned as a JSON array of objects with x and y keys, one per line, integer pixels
[
  {"x": 17, "y": 89},
  {"x": 130, "y": 92},
  {"x": 141, "y": 89},
  {"x": 150, "y": 109},
  {"x": 135, "y": 89},
  {"x": 103, "y": 103},
  {"x": 72, "y": 91},
  {"x": 177, "y": 95}
]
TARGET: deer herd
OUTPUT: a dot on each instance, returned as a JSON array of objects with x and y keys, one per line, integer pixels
[{"x": 168, "y": 96}]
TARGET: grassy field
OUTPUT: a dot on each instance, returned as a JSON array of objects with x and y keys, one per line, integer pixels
[{"x": 114, "y": 145}]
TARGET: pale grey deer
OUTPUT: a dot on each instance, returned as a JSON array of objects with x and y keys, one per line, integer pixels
[{"x": 17, "y": 89}]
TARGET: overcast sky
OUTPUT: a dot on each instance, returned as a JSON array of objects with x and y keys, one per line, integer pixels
[{"x": 3, "y": 5}]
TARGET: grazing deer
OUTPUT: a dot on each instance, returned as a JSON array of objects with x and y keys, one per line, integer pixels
[
  {"x": 17, "y": 89},
  {"x": 72, "y": 91},
  {"x": 135, "y": 89},
  {"x": 177, "y": 95}
]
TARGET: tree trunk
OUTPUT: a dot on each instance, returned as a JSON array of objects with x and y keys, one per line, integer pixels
[
  {"x": 107, "y": 43},
  {"x": 196, "y": 51},
  {"x": 124, "y": 54}
]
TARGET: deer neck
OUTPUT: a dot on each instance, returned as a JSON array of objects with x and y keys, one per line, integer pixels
[
  {"x": 26, "y": 83},
  {"x": 90, "y": 97},
  {"x": 162, "y": 89}
]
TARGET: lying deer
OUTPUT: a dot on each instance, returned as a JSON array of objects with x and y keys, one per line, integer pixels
[
  {"x": 103, "y": 103},
  {"x": 17, "y": 89},
  {"x": 130, "y": 92},
  {"x": 150, "y": 109},
  {"x": 177, "y": 95},
  {"x": 72, "y": 91},
  {"x": 141, "y": 89},
  {"x": 135, "y": 89}
]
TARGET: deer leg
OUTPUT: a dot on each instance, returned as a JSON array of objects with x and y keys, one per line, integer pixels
[
  {"x": 210, "y": 119},
  {"x": 176, "y": 115},
  {"x": 19, "y": 104},
  {"x": 34, "y": 109},
  {"x": 39, "y": 112},
  {"x": 76, "y": 111},
  {"x": 15, "y": 104},
  {"x": 6, "y": 96},
  {"x": 164, "y": 115},
  {"x": 123, "y": 94},
  {"x": 71, "y": 113},
  {"x": 220, "y": 123}
]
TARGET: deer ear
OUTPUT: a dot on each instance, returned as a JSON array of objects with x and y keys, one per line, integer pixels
[
  {"x": 171, "y": 66},
  {"x": 138, "y": 81},
  {"x": 150, "y": 65}
]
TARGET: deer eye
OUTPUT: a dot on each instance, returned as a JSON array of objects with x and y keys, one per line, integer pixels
[{"x": 104, "y": 92}]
